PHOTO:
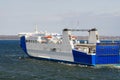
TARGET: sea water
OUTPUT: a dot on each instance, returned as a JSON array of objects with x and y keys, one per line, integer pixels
[{"x": 16, "y": 65}]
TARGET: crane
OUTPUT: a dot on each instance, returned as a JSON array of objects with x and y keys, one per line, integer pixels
[
  {"x": 93, "y": 34},
  {"x": 93, "y": 29}
]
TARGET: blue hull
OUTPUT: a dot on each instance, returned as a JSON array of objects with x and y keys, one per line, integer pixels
[
  {"x": 83, "y": 58},
  {"x": 106, "y": 53}
]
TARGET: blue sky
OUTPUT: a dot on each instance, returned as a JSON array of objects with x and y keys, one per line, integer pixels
[{"x": 54, "y": 15}]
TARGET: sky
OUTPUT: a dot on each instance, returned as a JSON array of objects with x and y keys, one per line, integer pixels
[{"x": 54, "y": 15}]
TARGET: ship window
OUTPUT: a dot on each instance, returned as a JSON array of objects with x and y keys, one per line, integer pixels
[
  {"x": 27, "y": 40},
  {"x": 53, "y": 49},
  {"x": 32, "y": 41},
  {"x": 97, "y": 37}
]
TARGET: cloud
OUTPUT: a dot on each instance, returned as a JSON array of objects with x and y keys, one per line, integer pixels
[
  {"x": 106, "y": 23},
  {"x": 51, "y": 18}
]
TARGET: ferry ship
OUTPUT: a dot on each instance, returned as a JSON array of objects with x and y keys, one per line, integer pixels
[{"x": 67, "y": 48}]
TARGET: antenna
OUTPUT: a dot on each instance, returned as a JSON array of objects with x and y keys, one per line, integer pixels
[
  {"x": 78, "y": 23},
  {"x": 36, "y": 29}
]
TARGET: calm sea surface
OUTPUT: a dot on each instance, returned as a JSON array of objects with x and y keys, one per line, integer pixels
[{"x": 16, "y": 65}]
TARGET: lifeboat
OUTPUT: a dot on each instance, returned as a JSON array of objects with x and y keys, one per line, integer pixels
[
  {"x": 48, "y": 37},
  {"x": 72, "y": 37}
]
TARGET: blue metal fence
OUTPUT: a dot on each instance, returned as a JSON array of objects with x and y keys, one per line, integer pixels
[{"x": 107, "y": 53}]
